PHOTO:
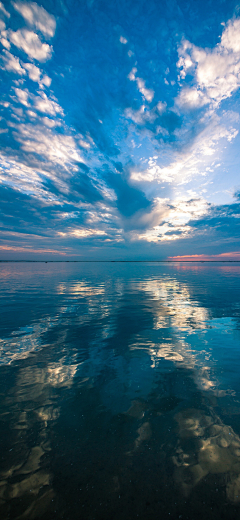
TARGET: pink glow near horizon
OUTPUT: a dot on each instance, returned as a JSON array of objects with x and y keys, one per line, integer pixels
[{"x": 223, "y": 256}]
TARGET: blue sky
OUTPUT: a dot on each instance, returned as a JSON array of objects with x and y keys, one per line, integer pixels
[{"x": 119, "y": 129}]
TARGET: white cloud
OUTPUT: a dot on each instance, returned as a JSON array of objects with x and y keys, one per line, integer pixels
[
  {"x": 30, "y": 43},
  {"x": 84, "y": 144},
  {"x": 52, "y": 156},
  {"x": 12, "y": 63},
  {"x": 147, "y": 93},
  {"x": 58, "y": 149},
  {"x": 37, "y": 17},
  {"x": 3, "y": 35},
  {"x": 2, "y": 8},
  {"x": 46, "y": 81},
  {"x": 5, "y": 43},
  {"x": 230, "y": 37},
  {"x": 192, "y": 98},
  {"x": 34, "y": 72},
  {"x": 31, "y": 113},
  {"x": 44, "y": 104},
  {"x": 161, "y": 107},
  {"x": 136, "y": 115},
  {"x": 22, "y": 96},
  {"x": 132, "y": 74},
  {"x": 216, "y": 71},
  {"x": 83, "y": 233},
  {"x": 19, "y": 175},
  {"x": 41, "y": 103},
  {"x": 49, "y": 122},
  {"x": 194, "y": 162},
  {"x": 142, "y": 115},
  {"x": 174, "y": 216},
  {"x": 123, "y": 40}
]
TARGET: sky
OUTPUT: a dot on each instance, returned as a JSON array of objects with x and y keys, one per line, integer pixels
[{"x": 119, "y": 129}]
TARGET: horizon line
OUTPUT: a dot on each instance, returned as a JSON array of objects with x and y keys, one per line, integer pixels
[{"x": 121, "y": 261}]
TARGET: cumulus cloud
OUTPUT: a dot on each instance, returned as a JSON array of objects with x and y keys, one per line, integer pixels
[
  {"x": 49, "y": 122},
  {"x": 169, "y": 221},
  {"x": 43, "y": 104},
  {"x": 37, "y": 17},
  {"x": 34, "y": 72},
  {"x": 46, "y": 81},
  {"x": 12, "y": 63},
  {"x": 30, "y": 43},
  {"x": 192, "y": 98},
  {"x": 123, "y": 40},
  {"x": 216, "y": 71},
  {"x": 230, "y": 37},
  {"x": 22, "y": 96}
]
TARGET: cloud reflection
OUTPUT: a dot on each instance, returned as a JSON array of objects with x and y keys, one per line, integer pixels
[
  {"x": 215, "y": 448},
  {"x": 122, "y": 340}
]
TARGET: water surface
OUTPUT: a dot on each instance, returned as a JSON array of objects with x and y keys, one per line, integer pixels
[{"x": 119, "y": 391}]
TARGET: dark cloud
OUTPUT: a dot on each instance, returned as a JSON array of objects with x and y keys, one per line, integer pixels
[
  {"x": 82, "y": 188},
  {"x": 26, "y": 214},
  {"x": 223, "y": 222},
  {"x": 173, "y": 232},
  {"x": 129, "y": 199}
]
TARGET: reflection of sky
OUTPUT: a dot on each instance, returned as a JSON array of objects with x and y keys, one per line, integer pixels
[
  {"x": 176, "y": 327},
  {"x": 123, "y": 334}
]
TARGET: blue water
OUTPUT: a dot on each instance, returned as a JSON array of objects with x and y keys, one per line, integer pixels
[{"x": 119, "y": 391}]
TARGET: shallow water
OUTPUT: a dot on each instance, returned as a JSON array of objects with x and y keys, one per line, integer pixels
[{"x": 120, "y": 391}]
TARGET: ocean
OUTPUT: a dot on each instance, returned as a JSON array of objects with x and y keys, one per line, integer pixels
[{"x": 119, "y": 391}]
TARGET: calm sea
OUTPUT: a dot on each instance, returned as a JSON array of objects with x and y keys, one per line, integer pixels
[{"x": 119, "y": 391}]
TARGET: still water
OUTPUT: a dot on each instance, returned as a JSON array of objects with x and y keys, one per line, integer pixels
[{"x": 119, "y": 391}]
